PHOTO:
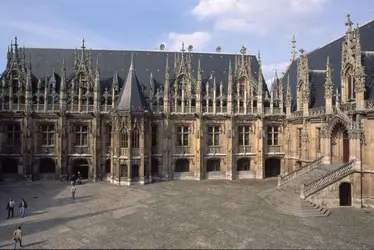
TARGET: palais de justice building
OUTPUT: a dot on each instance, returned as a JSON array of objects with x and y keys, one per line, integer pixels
[{"x": 139, "y": 116}]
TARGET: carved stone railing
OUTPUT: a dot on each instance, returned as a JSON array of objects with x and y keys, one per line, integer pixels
[
  {"x": 351, "y": 106},
  {"x": 315, "y": 112},
  {"x": 124, "y": 151},
  {"x": 135, "y": 152},
  {"x": 46, "y": 149},
  {"x": 11, "y": 149},
  {"x": 245, "y": 149},
  {"x": 307, "y": 190},
  {"x": 312, "y": 165},
  {"x": 80, "y": 150},
  {"x": 213, "y": 150},
  {"x": 274, "y": 149},
  {"x": 155, "y": 150},
  {"x": 182, "y": 150},
  {"x": 369, "y": 104},
  {"x": 297, "y": 114}
]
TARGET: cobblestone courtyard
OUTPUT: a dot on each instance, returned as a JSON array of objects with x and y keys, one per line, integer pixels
[{"x": 177, "y": 214}]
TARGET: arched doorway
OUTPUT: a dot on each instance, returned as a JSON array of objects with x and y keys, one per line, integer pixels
[
  {"x": 243, "y": 164},
  {"x": 272, "y": 167},
  {"x": 213, "y": 165},
  {"x": 107, "y": 166},
  {"x": 124, "y": 172},
  {"x": 345, "y": 191},
  {"x": 47, "y": 166},
  {"x": 298, "y": 165},
  {"x": 339, "y": 144},
  {"x": 135, "y": 171},
  {"x": 182, "y": 166},
  {"x": 9, "y": 166},
  {"x": 154, "y": 167},
  {"x": 81, "y": 165}
]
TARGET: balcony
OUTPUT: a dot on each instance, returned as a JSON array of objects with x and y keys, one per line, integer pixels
[
  {"x": 245, "y": 149},
  {"x": 182, "y": 150},
  {"x": 213, "y": 150},
  {"x": 124, "y": 152},
  {"x": 135, "y": 152},
  {"x": 274, "y": 149},
  {"x": 11, "y": 149},
  {"x": 50, "y": 149},
  {"x": 155, "y": 150},
  {"x": 80, "y": 150}
]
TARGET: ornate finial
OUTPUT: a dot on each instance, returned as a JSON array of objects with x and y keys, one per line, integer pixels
[
  {"x": 190, "y": 48},
  {"x": 259, "y": 57},
  {"x": 276, "y": 74},
  {"x": 293, "y": 48},
  {"x": 15, "y": 41},
  {"x": 349, "y": 22},
  {"x": 243, "y": 50},
  {"x": 302, "y": 51},
  {"x": 183, "y": 50},
  {"x": 83, "y": 46},
  {"x": 132, "y": 58}
]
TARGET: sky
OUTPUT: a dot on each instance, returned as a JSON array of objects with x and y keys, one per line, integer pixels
[{"x": 265, "y": 25}]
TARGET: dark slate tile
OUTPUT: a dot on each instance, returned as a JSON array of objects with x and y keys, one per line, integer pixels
[{"x": 317, "y": 61}]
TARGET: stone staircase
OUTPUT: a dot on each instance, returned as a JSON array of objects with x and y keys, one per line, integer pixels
[{"x": 286, "y": 197}]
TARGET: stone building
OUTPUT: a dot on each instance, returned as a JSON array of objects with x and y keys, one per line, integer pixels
[{"x": 139, "y": 116}]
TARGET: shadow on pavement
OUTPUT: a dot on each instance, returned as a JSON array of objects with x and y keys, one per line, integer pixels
[{"x": 33, "y": 227}]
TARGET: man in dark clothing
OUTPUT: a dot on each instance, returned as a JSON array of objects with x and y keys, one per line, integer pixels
[
  {"x": 10, "y": 208},
  {"x": 22, "y": 208}
]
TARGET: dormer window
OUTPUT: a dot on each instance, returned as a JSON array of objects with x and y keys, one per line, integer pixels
[{"x": 349, "y": 84}]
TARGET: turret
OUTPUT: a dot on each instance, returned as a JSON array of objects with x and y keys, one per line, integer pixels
[
  {"x": 63, "y": 87},
  {"x": 328, "y": 87},
  {"x": 288, "y": 98},
  {"x": 260, "y": 86},
  {"x": 97, "y": 87}
]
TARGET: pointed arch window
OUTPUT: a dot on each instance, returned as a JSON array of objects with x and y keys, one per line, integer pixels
[
  {"x": 135, "y": 139},
  {"x": 300, "y": 95},
  {"x": 350, "y": 83},
  {"x": 124, "y": 140}
]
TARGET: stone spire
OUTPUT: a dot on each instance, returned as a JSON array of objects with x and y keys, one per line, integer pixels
[
  {"x": 131, "y": 97},
  {"x": 293, "y": 52},
  {"x": 329, "y": 87}
]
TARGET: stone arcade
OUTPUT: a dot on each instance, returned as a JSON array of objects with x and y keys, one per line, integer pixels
[{"x": 139, "y": 116}]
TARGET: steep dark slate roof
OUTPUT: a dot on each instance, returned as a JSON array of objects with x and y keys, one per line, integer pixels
[
  {"x": 317, "y": 61},
  {"x": 131, "y": 97},
  {"x": 44, "y": 61}
]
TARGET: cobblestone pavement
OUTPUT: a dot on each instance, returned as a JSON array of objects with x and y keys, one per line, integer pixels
[{"x": 176, "y": 214}]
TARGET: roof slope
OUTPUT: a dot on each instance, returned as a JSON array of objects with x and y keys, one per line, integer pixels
[
  {"x": 317, "y": 61},
  {"x": 44, "y": 61},
  {"x": 131, "y": 97}
]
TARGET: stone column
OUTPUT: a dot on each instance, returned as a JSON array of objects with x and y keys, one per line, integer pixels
[
  {"x": 142, "y": 161},
  {"x": 129, "y": 155},
  {"x": 260, "y": 133},
  {"x": 199, "y": 150},
  {"x": 327, "y": 150},
  {"x": 230, "y": 149}
]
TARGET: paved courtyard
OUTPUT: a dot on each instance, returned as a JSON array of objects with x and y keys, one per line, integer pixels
[{"x": 177, "y": 214}]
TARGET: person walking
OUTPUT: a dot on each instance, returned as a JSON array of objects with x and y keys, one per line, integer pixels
[
  {"x": 10, "y": 208},
  {"x": 17, "y": 237},
  {"x": 72, "y": 190},
  {"x": 22, "y": 208}
]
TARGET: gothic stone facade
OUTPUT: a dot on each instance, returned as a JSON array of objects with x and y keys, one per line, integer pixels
[{"x": 137, "y": 116}]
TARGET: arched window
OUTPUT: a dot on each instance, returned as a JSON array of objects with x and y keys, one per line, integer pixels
[
  {"x": 300, "y": 95},
  {"x": 350, "y": 84},
  {"x": 124, "y": 140},
  {"x": 135, "y": 138}
]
